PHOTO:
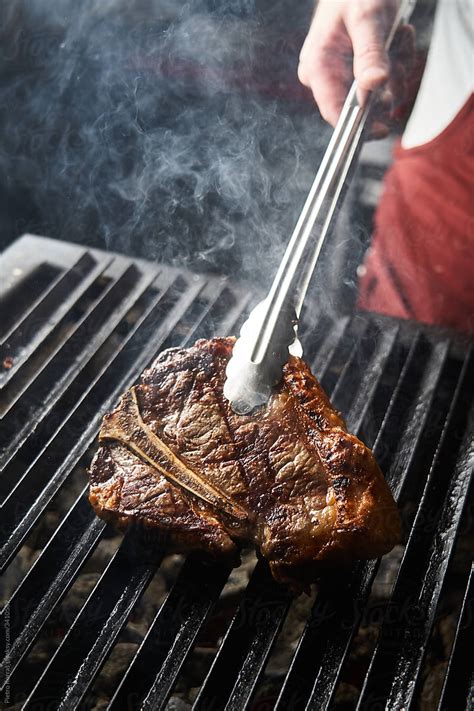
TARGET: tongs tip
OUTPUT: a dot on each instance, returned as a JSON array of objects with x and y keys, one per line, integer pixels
[{"x": 249, "y": 383}]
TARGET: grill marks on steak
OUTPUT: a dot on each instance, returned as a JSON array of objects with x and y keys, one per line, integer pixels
[{"x": 288, "y": 478}]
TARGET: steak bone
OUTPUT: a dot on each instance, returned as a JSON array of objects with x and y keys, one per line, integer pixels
[{"x": 126, "y": 425}]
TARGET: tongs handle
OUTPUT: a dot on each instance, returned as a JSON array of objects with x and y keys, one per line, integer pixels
[{"x": 292, "y": 279}]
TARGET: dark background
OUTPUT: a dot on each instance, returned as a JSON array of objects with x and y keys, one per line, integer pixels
[
  {"x": 173, "y": 131},
  {"x": 161, "y": 129}
]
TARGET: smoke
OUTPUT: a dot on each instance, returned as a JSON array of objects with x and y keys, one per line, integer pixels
[{"x": 173, "y": 131}]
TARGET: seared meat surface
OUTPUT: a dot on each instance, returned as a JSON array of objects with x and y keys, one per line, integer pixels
[{"x": 288, "y": 478}]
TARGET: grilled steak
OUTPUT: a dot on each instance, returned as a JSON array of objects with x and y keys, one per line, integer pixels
[{"x": 288, "y": 479}]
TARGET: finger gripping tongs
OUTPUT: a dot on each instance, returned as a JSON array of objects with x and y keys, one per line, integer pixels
[{"x": 270, "y": 333}]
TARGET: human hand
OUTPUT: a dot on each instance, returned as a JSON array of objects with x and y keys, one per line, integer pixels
[{"x": 346, "y": 40}]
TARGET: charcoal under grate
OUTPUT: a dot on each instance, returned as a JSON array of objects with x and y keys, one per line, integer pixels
[{"x": 77, "y": 327}]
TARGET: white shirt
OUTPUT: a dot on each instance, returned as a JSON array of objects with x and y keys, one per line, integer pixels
[{"x": 448, "y": 79}]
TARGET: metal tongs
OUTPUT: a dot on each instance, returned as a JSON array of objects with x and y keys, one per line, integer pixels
[{"x": 270, "y": 333}]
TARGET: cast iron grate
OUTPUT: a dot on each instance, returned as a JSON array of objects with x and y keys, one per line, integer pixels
[{"x": 77, "y": 327}]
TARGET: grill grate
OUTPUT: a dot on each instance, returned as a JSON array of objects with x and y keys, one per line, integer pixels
[{"x": 79, "y": 326}]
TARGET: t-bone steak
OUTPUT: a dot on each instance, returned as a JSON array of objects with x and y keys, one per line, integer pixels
[{"x": 288, "y": 478}]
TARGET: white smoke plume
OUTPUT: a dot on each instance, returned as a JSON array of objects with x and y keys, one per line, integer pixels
[{"x": 173, "y": 131}]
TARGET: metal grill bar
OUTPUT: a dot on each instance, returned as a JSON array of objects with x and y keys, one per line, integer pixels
[
  {"x": 91, "y": 636},
  {"x": 400, "y": 651},
  {"x": 329, "y": 375},
  {"x": 227, "y": 309},
  {"x": 194, "y": 323},
  {"x": 318, "y": 327},
  {"x": 403, "y": 428},
  {"x": 327, "y": 348},
  {"x": 34, "y": 282},
  {"x": 359, "y": 410},
  {"x": 334, "y": 618},
  {"x": 215, "y": 306},
  {"x": 459, "y": 681},
  {"x": 88, "y": 312},
  {"x": 47, "y": 582},
  {"x": 47, "y": 300},
  {"x": 171, "y": 636},
  {"x": 68, "y": 367},
  {"x": 52, "y": 342},
  {"x": 47, "y": 313},
  {"x": 361, "y": 352},
  {"x": 241, "y": 659}
]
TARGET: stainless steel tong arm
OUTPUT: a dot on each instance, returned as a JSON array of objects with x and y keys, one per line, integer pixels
[
  {"x": 295, "y": 270},
  {"x": 262, "y": 348},
  {"x": 297, "y": 266}
]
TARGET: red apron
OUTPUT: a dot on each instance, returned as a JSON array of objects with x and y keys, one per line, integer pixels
[{"x": 421, "y": 261}]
